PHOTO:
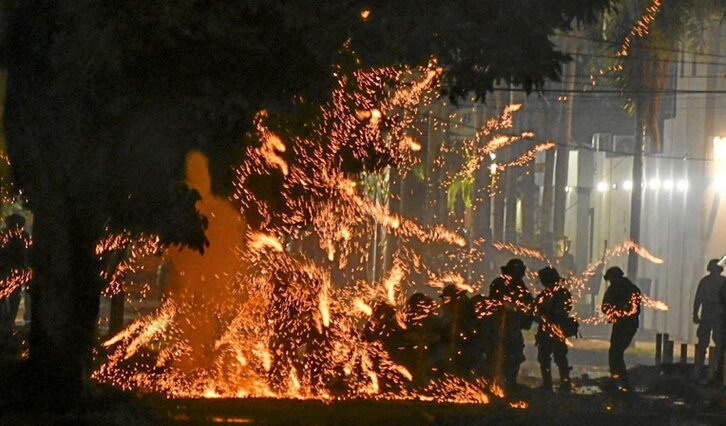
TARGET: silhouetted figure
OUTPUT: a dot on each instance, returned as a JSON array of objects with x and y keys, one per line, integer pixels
[
  {"x": 13, "y": 261},
  {"x": 383, "y": 327},
  {"x": 454, "y": 326},
  {"x": 722, "y": 341},
  {"x": 480, "y": 348},
  {"x": 419, "y": 337},
  {"x": 511, "y": 317},
  {"x": 707, "y": 301},
  {"x": 621, "y": 306},
  {"x": 551, "y": 309}
]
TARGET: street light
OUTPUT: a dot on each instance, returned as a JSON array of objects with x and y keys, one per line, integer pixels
[
  {"x": 719, "y": 182},
  {"x": 682, "y": 185}
]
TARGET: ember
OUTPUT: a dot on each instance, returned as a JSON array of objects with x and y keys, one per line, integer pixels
[{"x": 278, "y": 307}]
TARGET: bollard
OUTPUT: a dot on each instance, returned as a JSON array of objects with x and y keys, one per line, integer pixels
[
  {"x": 658, "y": 348},
  {"x": 668, "y": 352},
  {"x": 697, "y": 362},
  {"x": 684, "y": 353},
  {"x": 711, "y": 362}
]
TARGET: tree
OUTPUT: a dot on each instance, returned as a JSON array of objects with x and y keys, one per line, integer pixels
[
  {"x": 105, "y": 98},
  {"x": 651, "y": 36}
]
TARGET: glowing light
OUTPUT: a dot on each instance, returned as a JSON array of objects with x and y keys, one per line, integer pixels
[
  {"x": 259, "y": 241},
  {"x": 627, "y": 185},
  {"x": 719, "y": 182},
  {"x": 654, "y": 184},
  {"x": 279, "y": 327},
  {"x": 518, "y": 251},
  {"x": 668, "y": 185},
  {"x": 682, "y": 185},
  {"x": 719, "y": 148},
  {"x": 602, "y": 186},
  {"x": 365, "y": 14},
  {"x": 654, "y": 304}
]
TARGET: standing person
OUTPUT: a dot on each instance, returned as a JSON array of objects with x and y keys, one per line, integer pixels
[
  {"x": 455, "y": 319},
  {"x": 511, "y": 318},
  {"x": 13, "y": 261},
  {"x": 621, "y": 306},
  {"x": 721, "y": 346},
  {"x": 420, "y": 337},
  {"x": 551, "y": 309},
  {"x": 707, "y": 301}
]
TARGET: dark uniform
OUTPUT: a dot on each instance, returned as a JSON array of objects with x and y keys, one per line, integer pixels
[
  {"x": 722, "y": 341},
  {"x": 13, "y": 259},
  {"x": 480, "y": 348},
  {"x": 454, "y": 326},
  {"x": 511, "y": 318},
  {"x": 419, "y": 337},
  {"x": 621, "y": 306},
  {"x": 707, "y": 301},
  {"x": 551, "y": 309}
]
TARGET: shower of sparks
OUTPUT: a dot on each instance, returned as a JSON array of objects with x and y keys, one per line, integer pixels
[
  {"x": 580, "y": 284},
  {"x": 291, "y": 332},
  {"x": 123, "y": 254},
  {"x": 478, "y": 149},
  {"x": 300, "y": 318},
  {"x": 518, "y": 251},
  {"x": 640, "y": 29},
  {"x": 15, "y": 278}
]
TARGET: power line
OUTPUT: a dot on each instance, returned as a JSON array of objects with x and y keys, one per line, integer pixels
[
  {"x": 633, "y": 57},
  {"x": 684, "y": 157},
  {"x": 650, "y": 47},
  {"x": 614, "y": 91}
]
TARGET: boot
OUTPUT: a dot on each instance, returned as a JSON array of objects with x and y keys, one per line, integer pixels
[
  {"x": 546, "y": 379},
  {"x": 624, "y": 383},
  {"x": 565, "y": 382}
]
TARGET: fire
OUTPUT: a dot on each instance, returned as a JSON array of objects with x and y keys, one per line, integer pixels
[
  {"x": 282, "y": 306},
  {"x": 654, "y": 304},
  {"x": 363, "y": 307},
  {"x": 260, "y": 242}
]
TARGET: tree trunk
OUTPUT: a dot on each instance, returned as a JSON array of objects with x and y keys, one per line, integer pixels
[
  {"x": 49, "y": 153},
  {"x": 545, "y": 225},
  {"x": 636, "y": 197},
  {"x": 510, "y": 191},
  {"x": 563, "y": 156},
  {"x": 116, "y": 316},
  {"x": 65, "y": 302}
]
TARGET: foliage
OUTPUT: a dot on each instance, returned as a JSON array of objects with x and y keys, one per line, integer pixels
[
  {"x": 641, "y": 73},
  {"x": 461, "y": 186}
]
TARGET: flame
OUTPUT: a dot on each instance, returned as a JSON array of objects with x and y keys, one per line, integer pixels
[
  {"x": 363, "y": 307},
  {"x": 281, "y": 308},
  {"x": 260, "y": 242}
]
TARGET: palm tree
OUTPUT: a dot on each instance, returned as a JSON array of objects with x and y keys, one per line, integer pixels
[{"x": 649, "y": 37}]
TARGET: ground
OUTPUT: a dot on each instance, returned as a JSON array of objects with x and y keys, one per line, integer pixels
[{"x": 663, "y": 395}]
